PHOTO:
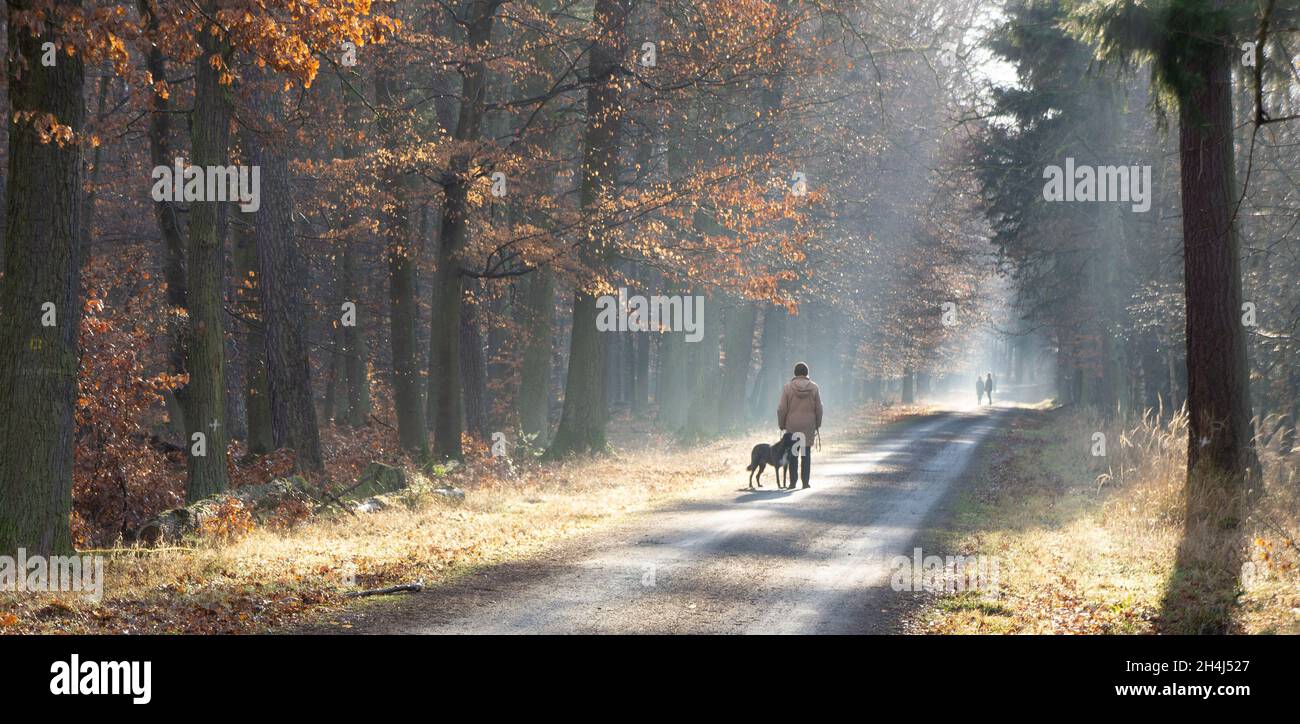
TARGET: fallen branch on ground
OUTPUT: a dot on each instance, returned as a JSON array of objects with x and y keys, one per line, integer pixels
[
  {"x": 412, "y": 587},
  {"x": 331, "y": 498}
]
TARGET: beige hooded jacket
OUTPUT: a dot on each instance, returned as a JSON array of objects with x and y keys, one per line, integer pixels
[{"x": 801, "y": 408}]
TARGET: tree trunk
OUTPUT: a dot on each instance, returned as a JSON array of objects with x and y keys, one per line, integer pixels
[
  {"x": 473, "y": 371},
  {"x": 614, "y": 343},
  {"x": 88, "y": 201},
  {"x": 38, "y": 364},
  {"x": 257, "y": 396},
  {"x": 447, "y": 397},
  {"x": 445, "y": 356},
  {"x": 284, "y": 315},
  {"x": 356, "y": 371},
  {"x": 1217, "y": 373},
  {"x": 1221, "y": 461},
  {"x": 404, "y": 315},
  {"x": 538, "y": 318},
  {"x": 205, "y": 355},
  {"x": 641, "y": 388},
  {"x": 774, "y": 365},
  {"x": 672, "y": 392},
  {"x": 582, "y": 420},
  {"x": 403, "y": 312},
  {"x": 332, "y": 408},
  {"x": 739, "y": 345},
  {"x": 499, "y": 354},
  {"x": 354, "y": 366},
  {"x": 160, "y": 154},
  {"x": 1293, "y": 411},
  {"x": 705, "y": 373}
]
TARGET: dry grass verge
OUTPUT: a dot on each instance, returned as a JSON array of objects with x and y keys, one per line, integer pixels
[{"x": 1087, "y": 544}]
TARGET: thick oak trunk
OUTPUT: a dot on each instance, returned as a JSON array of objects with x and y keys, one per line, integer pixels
[{"x": 38, "y": 363}]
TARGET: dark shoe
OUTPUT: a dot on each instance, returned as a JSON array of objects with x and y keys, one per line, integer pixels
[{"x": 806, "y": 486}]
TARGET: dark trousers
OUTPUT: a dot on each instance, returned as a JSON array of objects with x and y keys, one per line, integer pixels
[{"x": 792, "y": 473}]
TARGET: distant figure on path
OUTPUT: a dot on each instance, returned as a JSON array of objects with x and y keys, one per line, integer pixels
[
  {"x": 800, "y": 410},
  {"x": 979, "y": 391},
  {"x": 988, "y": 388}
]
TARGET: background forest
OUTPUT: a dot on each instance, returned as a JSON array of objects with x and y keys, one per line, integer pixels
[{"x": 447, "y": 188}]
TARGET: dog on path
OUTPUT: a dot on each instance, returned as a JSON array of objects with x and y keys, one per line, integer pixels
[{"x": 778, "y": 456}]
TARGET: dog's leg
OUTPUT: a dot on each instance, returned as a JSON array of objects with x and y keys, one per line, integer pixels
[{"x": 761, "y": 466}]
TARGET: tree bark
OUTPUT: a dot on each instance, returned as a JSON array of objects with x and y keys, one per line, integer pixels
[
  {"x": 88, "y": 201},
  {"x": 38, "y": 364},
  {"x": 444, "y": 365},
  {"x": 355, "y": 400},
  {"x": 165, "y": 215},
  {"x": 641, "y": 361},
  {"x": 704, "y": 375},
  {"x": 1221, "y": 461},
  {"x": 205, "y": 355},
  {"x": 403, "y": 319},
  {"x": 775, "y": 364},
  {"x": 1218, "y": 383},
  {"x": 282, "y": 272},
  {"x": 331, "y": 407},
  {"x": 257, "y": 397},
  {"x": 583, "y": 418},
  {"x": 473, "y": 373},
  {"x": 672, "y": 392},
  {"x": 355, "y": 368},
  {"x": 404, "y": 313},
  {"x": 445, "y": 394},
  {"x": 538, "y": 318},
  {"x": 739, "y": 345}
]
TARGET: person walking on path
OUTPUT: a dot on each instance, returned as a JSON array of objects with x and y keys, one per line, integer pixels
[
  {"x": 800, "y": 411},
  {"x": 988, "y": 388},
  {"x": 979, "y": 391}
]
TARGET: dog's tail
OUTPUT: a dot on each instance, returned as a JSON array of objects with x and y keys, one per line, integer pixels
[{"x": 751, "y": 467}]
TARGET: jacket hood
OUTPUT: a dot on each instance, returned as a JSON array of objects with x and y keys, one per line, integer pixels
[{"x": 802, "y": 386}]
